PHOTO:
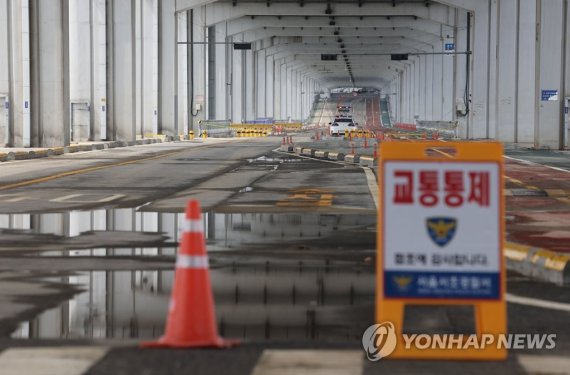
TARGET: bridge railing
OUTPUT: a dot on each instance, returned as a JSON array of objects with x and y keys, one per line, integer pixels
[
  {"x": 216, "y": 128},
  {"x": 448, "y": 128}
]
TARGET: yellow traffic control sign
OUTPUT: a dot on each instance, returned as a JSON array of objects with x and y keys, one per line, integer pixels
[{"x": 440, "y": 240}]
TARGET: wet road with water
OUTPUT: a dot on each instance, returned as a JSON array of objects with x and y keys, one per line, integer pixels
[
  {"x": 108, "y": 228},
  {"x": 88, "y": 244}
]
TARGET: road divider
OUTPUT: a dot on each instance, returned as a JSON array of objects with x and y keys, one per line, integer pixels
[
  {"x": 43, "y": 153},
  {"x": 538, "y": 263}
]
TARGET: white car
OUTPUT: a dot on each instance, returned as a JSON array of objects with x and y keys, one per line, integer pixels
[{"x": 341, "y": 125}]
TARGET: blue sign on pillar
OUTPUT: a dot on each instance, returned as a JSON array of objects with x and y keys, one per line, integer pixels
[
  {"x": 549, "y": 95},
  {"x": 449, "y": 47}
]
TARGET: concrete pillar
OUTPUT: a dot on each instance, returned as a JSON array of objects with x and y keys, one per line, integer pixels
[
  {"x": 181, "y": 76},
  {"x": 460, "y": 75},
  {"x": 166, "y": 67},
  {"x": 567, "y": 74},
  {"x": 277, "y": 90},
  {"x": 493, "y": 68},
  {"x": 81, "y": 69},
  {"x": 398, "y": 98},
  {"x": 295, "y": 97},
  {"x": 437, "y": 102},
  {"x": 447, "y": 81},
  {"x": 198, "y": 77},
  {"x": 402, "y": 94},
  {"x": 289, "y": 92},
  {"x": 269, "y": 86},
  {"x": 249, "y": 85},
  {"x": 421, "y": 92},
  {"x": 526, "y": 72},
  {"x": 98, "y": 126},
  {"x": 507, "y": 73},
  {"x": 481, "y": 47},
  {"x": 122, "y": 95},
  {"x": 553, "y": 26},
  {"x": 416, "y": 89},
  {"x": 237, "y": 85},
  {"x": 4, "y": 75},
  {"x": 14, "y": 62},
  {"x": 149, "y": 68},
  {"x": 410, "y": 94},
  {"x": 284, "y": 92},
  {"x": 428, "y": 111},
  {"x": 260, "y": 83},
  {"x": 220, "y": 73},
  {"x": 49, "y": 72}
]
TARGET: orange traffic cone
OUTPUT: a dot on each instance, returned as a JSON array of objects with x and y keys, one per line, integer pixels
[{"x": 191, "y": 318}]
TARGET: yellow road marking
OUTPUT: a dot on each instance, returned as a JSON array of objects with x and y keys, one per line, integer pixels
[
  {"x": 307, "y": 198},
  {"x": 86, "y": 170}
]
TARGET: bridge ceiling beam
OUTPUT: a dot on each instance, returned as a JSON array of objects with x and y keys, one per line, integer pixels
[
  {"x": 224, "y": 11},
  {"x": 342, "y": 23},
  {"x": 262, "y": 33}
]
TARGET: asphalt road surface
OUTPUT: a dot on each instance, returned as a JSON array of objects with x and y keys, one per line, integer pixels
[{"x": 88, "y": 248}]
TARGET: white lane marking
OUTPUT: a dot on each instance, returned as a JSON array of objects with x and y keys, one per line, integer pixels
[
  {"x": 65, "y": 198},
  {"x": 19, "y": 199},
  {"x": 108, "y": 199},
  {"x": 50, "y": 361},
  {"x": 544, "y": 364},
  {"x": 309, "y": 362},
  {"x": 538, "y": 303},
  {"x": 537, "y": 164},
  {"x": 372, "y": 184},
  {"x": 68, "y": 199}
]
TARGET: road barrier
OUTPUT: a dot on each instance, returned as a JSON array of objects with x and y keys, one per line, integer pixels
[
  {"x": 293, "y": 126},
  {"x": 252, "y": 130},
  {"x": 447, "y": 128},
  {"x": 404, "y": 126},
  {"x": 215, "y": 128}
]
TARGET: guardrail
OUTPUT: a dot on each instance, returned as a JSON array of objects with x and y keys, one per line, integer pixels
[
  {"x": 404, "y": 126},
  {"x": 448, "y": 128},
  {"x": 215, "y": 128}
]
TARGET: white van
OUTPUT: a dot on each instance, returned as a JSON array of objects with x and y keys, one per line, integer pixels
[{"x": 341, "y": 125}]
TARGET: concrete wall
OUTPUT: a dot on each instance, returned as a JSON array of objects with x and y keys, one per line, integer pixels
[{"x": 95, "y": 69}]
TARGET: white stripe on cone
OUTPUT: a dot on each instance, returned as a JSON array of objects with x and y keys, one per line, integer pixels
[
  {"x": 192, "y": 261},
  {"x": 195, "y": 225}
]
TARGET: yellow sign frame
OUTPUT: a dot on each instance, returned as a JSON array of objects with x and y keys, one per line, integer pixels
[{"x": 490, "y": 315}]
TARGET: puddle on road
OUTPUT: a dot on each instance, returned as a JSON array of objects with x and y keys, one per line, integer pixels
[
  {"x": 256, "y": 302},
  {"x": 57, "y": 233},
  {"x": 272, "y": 160},
  {"x": 274, "y": 276}
]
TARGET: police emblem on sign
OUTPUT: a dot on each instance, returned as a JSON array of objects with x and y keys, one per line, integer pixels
[
  {"x": 403, "y": 282},
  {"x": 441, "y": 230}
]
